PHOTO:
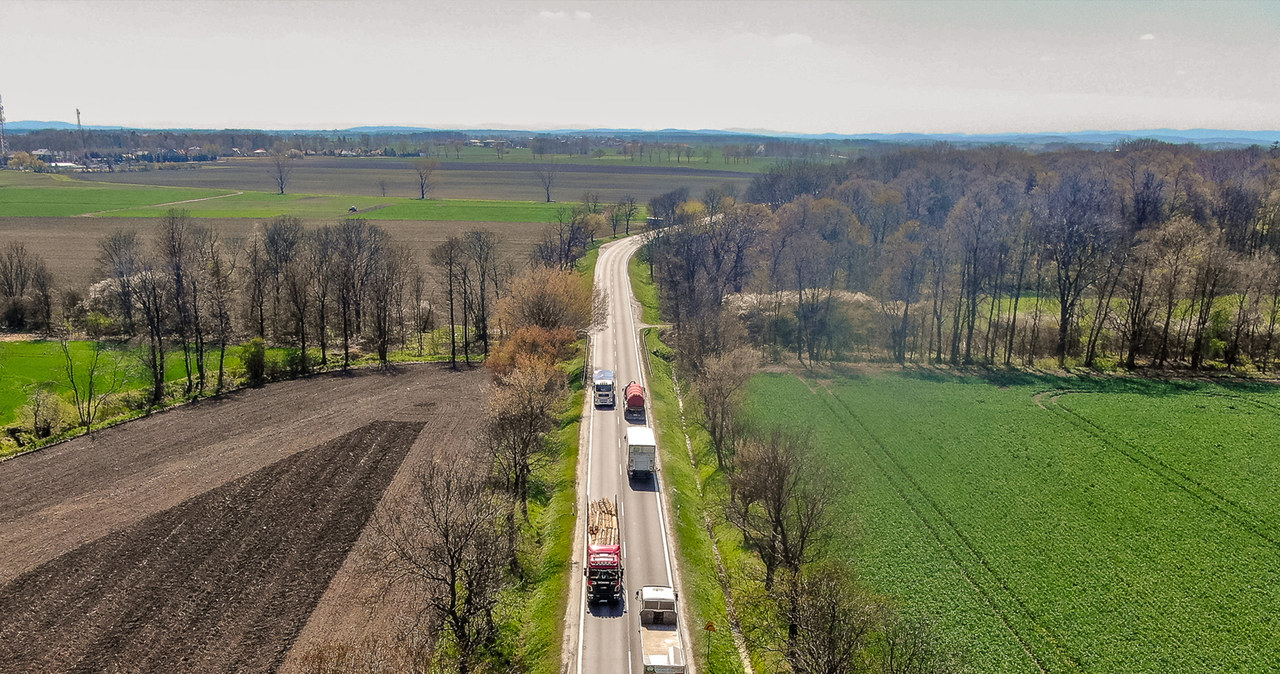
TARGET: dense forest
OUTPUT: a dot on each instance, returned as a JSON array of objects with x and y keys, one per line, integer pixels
[{"x": 1146, "y": 255}]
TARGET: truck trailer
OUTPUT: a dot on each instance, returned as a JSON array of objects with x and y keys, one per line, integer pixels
[
  {"x": 604, "y": 551},
  {"x": 660, "y": 631},
  {"x": 642, "y": 451}
]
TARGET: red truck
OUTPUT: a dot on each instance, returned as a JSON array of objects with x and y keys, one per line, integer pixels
[
  {"x": 604, "y": 551},
  {"x": 635, "y": 399}
]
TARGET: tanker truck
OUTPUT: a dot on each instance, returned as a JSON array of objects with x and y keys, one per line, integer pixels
[
  {"x": 604, "y": 551},
  {"x": 634, "y": 398}
]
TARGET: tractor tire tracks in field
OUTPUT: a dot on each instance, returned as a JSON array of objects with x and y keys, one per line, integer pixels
[
  {"x": 1178, "y": 479},
  {"x": 169, "y": 203},
  {"x": 223, "y": 581},
  {"x": 1044, "y": 648}
]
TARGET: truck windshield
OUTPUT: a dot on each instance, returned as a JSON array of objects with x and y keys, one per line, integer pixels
[{"x": 604, "y": 388}]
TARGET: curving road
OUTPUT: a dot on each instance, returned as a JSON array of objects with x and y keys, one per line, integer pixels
[{"x": 608, "y": 639}]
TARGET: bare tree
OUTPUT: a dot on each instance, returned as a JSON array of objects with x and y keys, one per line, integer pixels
[
  {"x": 550, "y": 300},
  {"x": 1078, "y": 233},
  {"x": 221, "y": 269},
  {"x": 176, "y": 244},
  {"x": 423, "y": 316},
  {"x": 299, "y": 277},
  {"x": 910, "y": 646},
  {"x": 425, "y": 168},
  {"x": 26, "y": 284},
  {"x": 547, "y": 174},
  {"x": 481, "y": 248},
  {"x": 257, "y": 282},
  {"x": 521, "y": 411},
  {"x": 281, "y": 170},
  {"x": 118, "y": 255},
  {"x": 386, "y": 278},
  {"x": 828, "y": 620},
  {"x": 778, "y": 501},
  {"x": 94, "y": 383},
  {"x": 152, "y": 293},
  {"x": 320, "y": 254},
  {"x": 628, "y": 209},
  {"x": 721, "y": 384},
  {"x": 448, "y": 257},
  {"x": 442, "y": 543}
]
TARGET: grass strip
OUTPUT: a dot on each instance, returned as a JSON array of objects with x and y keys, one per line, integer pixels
[{"x": 703, "y": 592}]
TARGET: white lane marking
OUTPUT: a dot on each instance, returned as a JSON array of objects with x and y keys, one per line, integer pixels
[
  {"x": 662, "y": 520},
  {"x": 582, "y": 612},
  {"x": 621, "y": 506},
  {"x": 624, "y": 549}
]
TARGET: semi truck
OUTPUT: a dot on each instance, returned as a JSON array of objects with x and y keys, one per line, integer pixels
[
  {"x": 642, "y": 451},
  {"x": 660, "y": 630},
  {"x": 602, "y": 385},
  {"x": 635, "y": 399},
  {"x": 604, "y": 551}
]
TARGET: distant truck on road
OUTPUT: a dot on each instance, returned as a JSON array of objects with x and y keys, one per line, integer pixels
[
  {"x": 660, "y": 630},
  {"x": 642, "y": 451},
  {"x": 603, "y": 387},
  {"x": 604, "y": 551},
  {"x": 634, "y": 399}
]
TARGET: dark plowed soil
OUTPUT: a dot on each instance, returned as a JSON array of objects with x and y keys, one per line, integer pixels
[{"x": 222, "y": 582}]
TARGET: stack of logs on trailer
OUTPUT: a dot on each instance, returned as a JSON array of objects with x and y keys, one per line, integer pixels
[{"x": 604, "y": 551}]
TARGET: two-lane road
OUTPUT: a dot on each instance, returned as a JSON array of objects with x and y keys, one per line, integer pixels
[{"x": 608, "y": 635}]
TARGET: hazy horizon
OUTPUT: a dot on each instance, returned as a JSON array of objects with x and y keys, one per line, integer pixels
[{"x": 804, "y": 67}]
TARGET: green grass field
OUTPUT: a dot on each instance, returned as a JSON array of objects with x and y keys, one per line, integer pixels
[
  {"x": 1058, "y": 523},
  {"x": 27, "y": 195},
  {"x": 25, "y": 365},
  {"x": 44, "y": 195}
]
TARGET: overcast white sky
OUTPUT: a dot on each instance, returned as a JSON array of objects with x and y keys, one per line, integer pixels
[{"x": 848, "y": 67}]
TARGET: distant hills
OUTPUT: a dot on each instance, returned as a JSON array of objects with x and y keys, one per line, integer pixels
[{"x": 1218, "y": 137}]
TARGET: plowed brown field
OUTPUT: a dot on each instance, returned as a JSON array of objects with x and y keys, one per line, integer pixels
[{"x": 204, "y": 539}]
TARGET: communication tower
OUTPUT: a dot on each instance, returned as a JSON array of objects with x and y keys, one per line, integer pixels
[
  {"x": 81, "y": 130},
  {"x": 4, "y": 144}
]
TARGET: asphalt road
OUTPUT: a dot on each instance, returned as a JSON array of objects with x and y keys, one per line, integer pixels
[{"x": 609, "y": 638}]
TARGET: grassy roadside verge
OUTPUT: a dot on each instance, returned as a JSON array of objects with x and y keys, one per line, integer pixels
[
  {"x": 545, "y": 597},
  {"x": 692, "y": 494}
]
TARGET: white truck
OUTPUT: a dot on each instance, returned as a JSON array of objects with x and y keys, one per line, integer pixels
[
  {"x": 642, "y": 451},
  {"x": 602, "y": 387},
  {"x": 660, "y": 631}
]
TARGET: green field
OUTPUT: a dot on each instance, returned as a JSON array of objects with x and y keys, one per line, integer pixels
[
  {"x": 25, "y": 365},
  {"x": 42, "y": 195},
  {"x": 27, "y": 195},
  {"x": 1059, "y": 523},
  {"x": 261, "y": 205}
]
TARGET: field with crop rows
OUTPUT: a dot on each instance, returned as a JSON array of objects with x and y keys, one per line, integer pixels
[
  {"x": 491, "y": 180},
  {"x": 70, "y": 245},
  {"x": 1059, "y": 523}
]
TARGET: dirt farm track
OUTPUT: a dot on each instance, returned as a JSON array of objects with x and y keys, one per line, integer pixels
[{"x": 215, "y": 537}]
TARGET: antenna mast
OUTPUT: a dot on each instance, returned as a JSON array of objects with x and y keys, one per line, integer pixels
[
  {"x": 4, "y": 144},
  {"x": 79, "y": 128}
]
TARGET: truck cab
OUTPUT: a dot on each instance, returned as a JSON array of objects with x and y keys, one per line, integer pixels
[{"x": 603, "y": 388}]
